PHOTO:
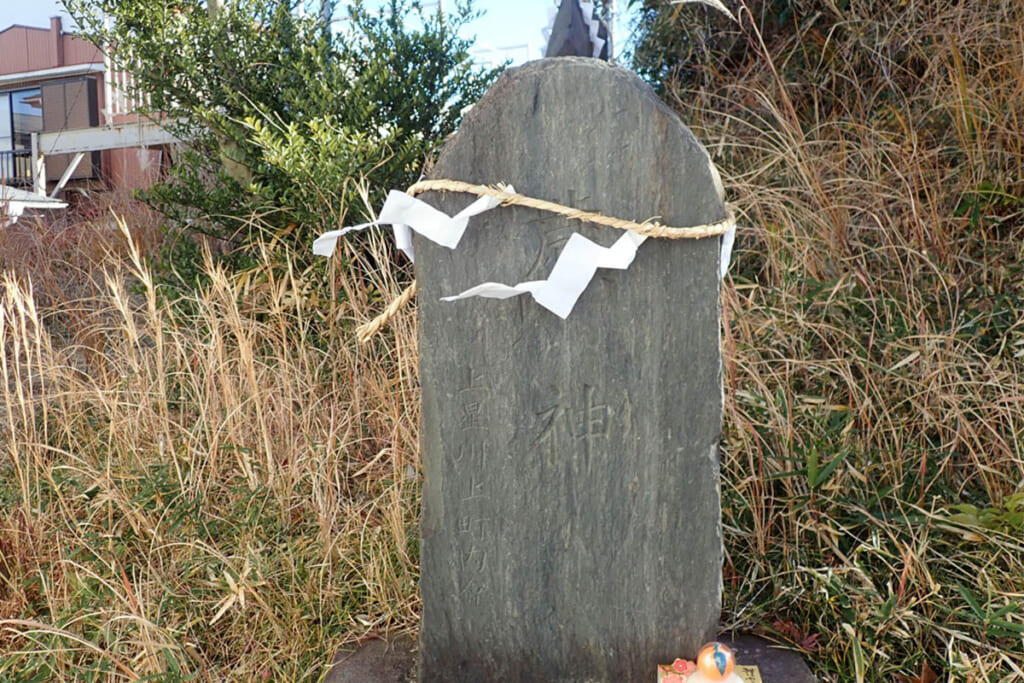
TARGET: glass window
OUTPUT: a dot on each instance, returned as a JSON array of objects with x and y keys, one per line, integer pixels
[
  {"x": 7, "y": 170},
  {"x": 27, "y": 115},
  {"x": 5, "y": 121}
]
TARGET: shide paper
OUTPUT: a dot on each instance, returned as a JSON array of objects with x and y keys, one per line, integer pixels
[
  {"x": 572, "y": 273},
  {"x": 728, "y": 239},
  {"x": 404, "y": 212},
  {"x": 593, "y": 27}
]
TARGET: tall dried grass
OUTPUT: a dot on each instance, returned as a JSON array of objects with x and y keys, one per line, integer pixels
[
  {"x": 874, "y": 357},
  {"x": 221, "y": 486},
  {"x": 226, "y": 486}
]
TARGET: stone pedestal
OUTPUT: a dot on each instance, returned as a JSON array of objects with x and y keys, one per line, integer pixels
[{"x": 393, "y": 661}]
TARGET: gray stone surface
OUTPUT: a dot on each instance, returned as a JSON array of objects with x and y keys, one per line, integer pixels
[
  {"x": 775, "y": 663},
  {"x": 571, "y": 524},
  {"x": 376, "y": 661}
]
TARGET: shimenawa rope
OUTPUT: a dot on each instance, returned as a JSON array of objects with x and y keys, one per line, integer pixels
[{"x": 650, "y": 228}]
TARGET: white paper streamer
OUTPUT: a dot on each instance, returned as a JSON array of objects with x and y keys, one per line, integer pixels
[
  {"x": 325, "y": 243},
  {"x": 573, "y": 271},
  {"x": 404, "y": 213},
  {"x": 569, "y": 278},
  {"x": 593, "y": 26},
  {"x": 728, "y": 239}
]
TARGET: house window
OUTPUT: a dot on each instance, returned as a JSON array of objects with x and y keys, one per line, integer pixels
[
  {"x": 71, "y": 103},
  {"x": 21, "y": 114},
  {"x": 6, "y": 125},
  {"x": 7, "y": 172},
  {"x": 51, "y": 107},
  {"x": 26, "y": 116}
]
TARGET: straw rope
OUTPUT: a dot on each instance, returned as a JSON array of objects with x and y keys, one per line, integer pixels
[
  {"x": 367, "y": 331},
  {"x": 649, "y": 228}
]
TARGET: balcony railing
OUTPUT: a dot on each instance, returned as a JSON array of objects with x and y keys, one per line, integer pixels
[
  {"x": 124, "y": 96},
  {"x": 15, "y": 167}
]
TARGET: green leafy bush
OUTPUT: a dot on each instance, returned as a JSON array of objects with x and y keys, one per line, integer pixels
[{"x": 283, "y": 117}]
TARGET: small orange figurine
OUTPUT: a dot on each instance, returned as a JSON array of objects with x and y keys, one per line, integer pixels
[
  {"x": 715, "y": 664},
  {"x": 716, "y": 661}
]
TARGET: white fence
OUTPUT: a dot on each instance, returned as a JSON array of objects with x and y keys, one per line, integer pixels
[{"x": 122, "y": 96}]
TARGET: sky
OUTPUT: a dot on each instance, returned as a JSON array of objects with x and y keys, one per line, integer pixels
[{"x": 512, "y": 27}]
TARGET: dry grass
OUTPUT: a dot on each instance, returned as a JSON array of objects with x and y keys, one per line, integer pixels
[
  {"x": 874, "y": 356},
  {"x": 222, "y": 486},
  {"x": 226, "y": 486}
]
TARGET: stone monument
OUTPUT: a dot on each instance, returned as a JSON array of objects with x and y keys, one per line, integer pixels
[{"x": 571, "y": 522}]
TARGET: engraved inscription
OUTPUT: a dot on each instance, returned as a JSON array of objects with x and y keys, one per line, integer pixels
[
  {"x": 472, "y": 526},
  {"x": 476, "y": 487},
  {"x": 474, "y": 539},
  {"x": 471, "y": 400},
  {"x": 471, "y": 452},
  {"x": 553, "y": 232},
  {"x": 579, "y": 424}
]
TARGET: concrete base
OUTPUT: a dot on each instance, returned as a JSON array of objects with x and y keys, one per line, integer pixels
[{"x": 394, "y": 661}]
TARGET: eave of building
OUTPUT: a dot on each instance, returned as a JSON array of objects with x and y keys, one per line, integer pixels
[{"x": 56, "y": 72}]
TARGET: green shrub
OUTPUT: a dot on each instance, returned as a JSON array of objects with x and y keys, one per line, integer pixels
[{"x": 283, "y": 118}]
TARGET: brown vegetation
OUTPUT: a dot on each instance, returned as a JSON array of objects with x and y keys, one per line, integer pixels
[
  {"x": 204, "y": 485},
  {"x": 873, "y": 338},
  {"x": 227, "y": 485}
]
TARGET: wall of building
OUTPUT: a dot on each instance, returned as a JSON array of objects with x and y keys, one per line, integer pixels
[
  {"x": 27, "y": 49},
  {"x": 79, "y": 51},
  {"x": 24, "y": 48},
  {"x": 132, "y": 169}
]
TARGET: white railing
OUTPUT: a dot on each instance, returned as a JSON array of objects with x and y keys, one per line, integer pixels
[
  {"x": 489, "y": 56},
  {"x": 124, "y": 97},
  {"x": 120, "y": 96},
  {"x": 340, "y": 17}
]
